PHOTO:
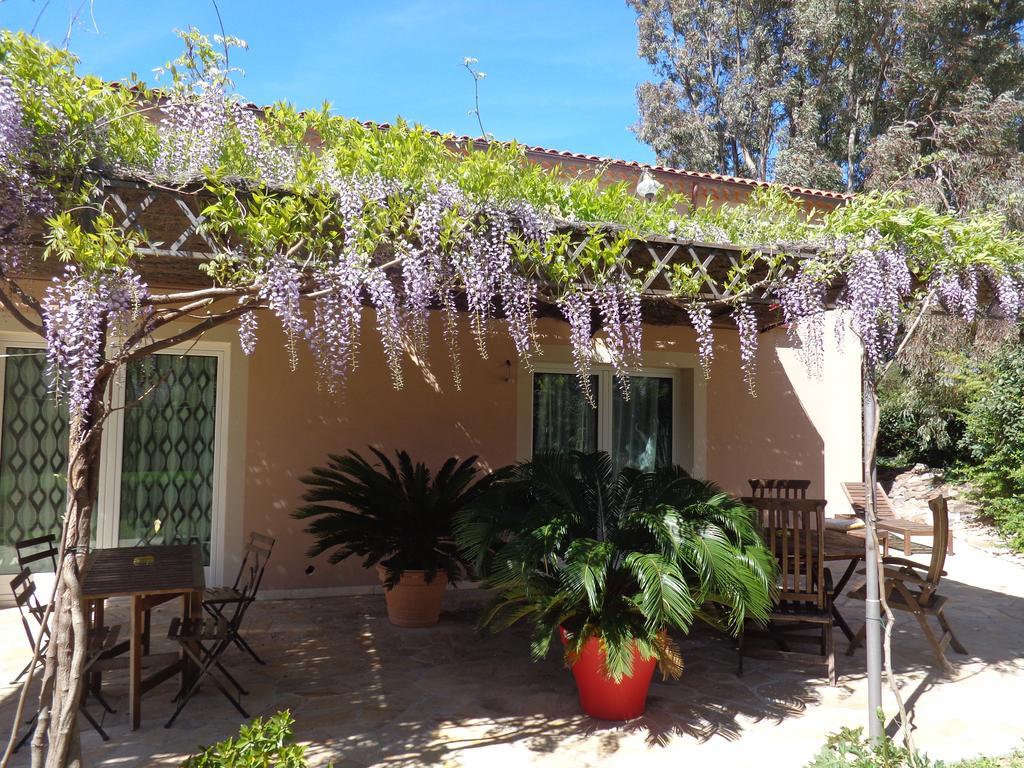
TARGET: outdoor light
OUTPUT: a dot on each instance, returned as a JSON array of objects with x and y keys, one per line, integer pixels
[{"x": 648, "y": 187}]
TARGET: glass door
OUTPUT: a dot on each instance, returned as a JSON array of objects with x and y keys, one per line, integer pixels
[
  {"x": 168, "y": 452},
  {"x": 33, "y": 453}
]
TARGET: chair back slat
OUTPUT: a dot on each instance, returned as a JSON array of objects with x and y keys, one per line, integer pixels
[
  {"x": 254, "y": 564},
  {"x": 30, "y": 551},
  {"x": 23, "y": 587},
  {"x": 794, "y": 530},
  {"x": 779, "y": 489},
  {"x": 855, "y": 494},
  {"x": 940, "y": 542}
]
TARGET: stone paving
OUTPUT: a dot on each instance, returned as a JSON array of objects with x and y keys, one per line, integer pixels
[{"x": 365, "y": 693}]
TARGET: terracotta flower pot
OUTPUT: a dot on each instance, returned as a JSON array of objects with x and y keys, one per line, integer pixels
[
  {"x": 601, "y": 696},
  {"x": 413, "y": 601}
]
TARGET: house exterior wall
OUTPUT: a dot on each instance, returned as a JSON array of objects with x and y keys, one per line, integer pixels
[
  {"x": 279, "y": 423},
  {"x": 797, "y": 426}
]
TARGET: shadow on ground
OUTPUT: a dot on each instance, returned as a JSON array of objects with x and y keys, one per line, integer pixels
[{"x": 366, "y": 693}]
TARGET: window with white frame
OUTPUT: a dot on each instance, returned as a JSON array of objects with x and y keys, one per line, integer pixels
[
  {"x": 650, "y": 428},
  {"x": 158, "y": 477}
]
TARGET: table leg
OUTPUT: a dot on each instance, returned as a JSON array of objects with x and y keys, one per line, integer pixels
[
  {"x": 135, "y": 663},
  {"x": 844, "y": 580},
  {"x": 838, "y": 591},
  {"x": 191, "y": 609},
  {"x": 146, "y": 627},
  {"x": 94, "y": 609}
]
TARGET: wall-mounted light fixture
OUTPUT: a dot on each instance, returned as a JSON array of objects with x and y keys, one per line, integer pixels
[
  {"x": 648, "y": 187},
  {"x": 508, "y": 371}
]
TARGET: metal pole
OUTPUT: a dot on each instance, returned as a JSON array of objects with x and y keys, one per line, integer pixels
[{"x": 872, "y": 605}]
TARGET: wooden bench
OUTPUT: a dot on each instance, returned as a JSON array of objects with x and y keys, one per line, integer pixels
[{"x": 887, "y": 518}]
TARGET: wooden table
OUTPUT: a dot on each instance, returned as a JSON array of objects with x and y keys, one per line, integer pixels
[
  {"x": 175, "y": 571},
  {"x": 845, "y": 545}
]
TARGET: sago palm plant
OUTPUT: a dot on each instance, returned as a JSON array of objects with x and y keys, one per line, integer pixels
[
  {"x": 568, "y": 542},
  {"x": 400, "y": 515}
]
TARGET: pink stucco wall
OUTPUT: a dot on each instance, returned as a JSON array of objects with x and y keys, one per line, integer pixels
[{"x": 292, "y": 424}]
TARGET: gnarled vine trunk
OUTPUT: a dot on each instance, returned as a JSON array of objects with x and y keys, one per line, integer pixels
[{"x": 56, "y": 743}]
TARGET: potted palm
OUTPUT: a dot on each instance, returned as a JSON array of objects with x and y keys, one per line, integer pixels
[
  {"x": 610, "y": 562},
  {"x": 399, "y": 519}
]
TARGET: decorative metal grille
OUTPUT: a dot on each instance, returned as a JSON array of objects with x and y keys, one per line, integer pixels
[
  {"x": 168, "y": 455},
  {"x": 33, "y": 454}
]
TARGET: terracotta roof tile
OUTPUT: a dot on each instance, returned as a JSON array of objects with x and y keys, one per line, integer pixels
[{"x": 680, "y": 172}]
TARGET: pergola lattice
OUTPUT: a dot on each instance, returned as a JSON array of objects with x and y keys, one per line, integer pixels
[{"x": 174, "y": 244}]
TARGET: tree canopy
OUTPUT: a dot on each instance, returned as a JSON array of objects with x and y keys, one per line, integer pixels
[
  {"x": 308, "y": 208},
  {"x": 817, "y": 92}
]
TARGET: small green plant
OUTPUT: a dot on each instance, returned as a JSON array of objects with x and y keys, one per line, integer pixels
[
  {"x": 262, "y": 743},
  {"x": 849, "y": 748}
]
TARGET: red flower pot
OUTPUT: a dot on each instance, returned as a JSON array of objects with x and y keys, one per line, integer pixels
[{"x": 600, "y": 695}]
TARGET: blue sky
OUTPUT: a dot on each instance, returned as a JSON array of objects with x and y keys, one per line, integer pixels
[{"x": 559, "y": 74}]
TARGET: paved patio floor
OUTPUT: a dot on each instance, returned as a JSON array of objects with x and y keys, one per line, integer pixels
[{"x": 365, "y": 693}]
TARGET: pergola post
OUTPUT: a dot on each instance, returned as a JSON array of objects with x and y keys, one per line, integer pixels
[{"x": 872, "y": 604}]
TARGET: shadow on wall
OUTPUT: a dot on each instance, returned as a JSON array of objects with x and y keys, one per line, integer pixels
[
  {"x": 770, "y": 435},
  {"x": 293, "y": 424}
]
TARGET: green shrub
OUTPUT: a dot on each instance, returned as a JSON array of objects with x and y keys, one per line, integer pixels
[
  {"x": 262, "y": 743},
  {"x": 994, "y": 437},
  {"x": 920, "y": 420},
  {"x": 849, "y": 748}
]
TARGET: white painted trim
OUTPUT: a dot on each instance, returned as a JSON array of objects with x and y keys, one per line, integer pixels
[
  {"x": 363, "y": 589},
  {"x": 558, "y": 359}
]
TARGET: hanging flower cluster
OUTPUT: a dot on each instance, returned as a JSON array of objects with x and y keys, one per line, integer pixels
[
  {"x": 79, "y": 312},
  {"x": 20, "y": 194},
  {"x": 959, "y": 290},
  {"x": 200, "y": 123},
  {"x": 802, "y": 299},
  {"x": 700, "y": 319},
  {"x": 746, "y": 325}
]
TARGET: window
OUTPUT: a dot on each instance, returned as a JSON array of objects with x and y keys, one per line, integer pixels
[
  {"x": 33, "y": 449},
  {"x": 158, "y": 473},
  {"x": 643, "y": 431}
]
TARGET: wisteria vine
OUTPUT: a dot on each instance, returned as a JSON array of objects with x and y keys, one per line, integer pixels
[{"x": 411, "y": 245}]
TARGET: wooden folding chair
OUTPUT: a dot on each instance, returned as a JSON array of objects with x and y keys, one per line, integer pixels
[
  {"x": 204, "y": 642},
  {"x": 794, "y": 530},
  {"x": 779, "y": 489},
  {"x": 101, "y": 644},
  {"x": 31, "y": 551},
  {"x": 888, "y": 520},
  {"x": 232, "y": 603},
  {"x": 913, "y": 587}
]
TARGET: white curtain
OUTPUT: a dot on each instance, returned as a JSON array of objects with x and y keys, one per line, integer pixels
[
  {"x": 642, "y": 425},
  {"x": 563, "y": 419}
]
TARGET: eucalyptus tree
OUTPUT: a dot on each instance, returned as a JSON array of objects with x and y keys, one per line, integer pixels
[
  {"x": 313, "y": 217},
  {"x": 799, "y": 90}
]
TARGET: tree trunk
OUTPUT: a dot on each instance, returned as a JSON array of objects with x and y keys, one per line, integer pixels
[{"x": 56, "y": 743}]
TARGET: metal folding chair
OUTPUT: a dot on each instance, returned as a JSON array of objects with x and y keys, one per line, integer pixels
[
  {"x": 31, "y": 609},
  {"x": 204, "y": 641},
  {"x": 31, "y": 551},
  {"x": 232, "y": 603},
  {"x": 101, "y": 645}
]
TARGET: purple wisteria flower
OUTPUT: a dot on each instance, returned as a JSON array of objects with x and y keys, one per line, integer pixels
[
  {"x": 576, "y": 308},
  {"x": 280, "y": 286},
  {"x": 746, "y": 324},
  {"x": 79, "y": 310}
]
